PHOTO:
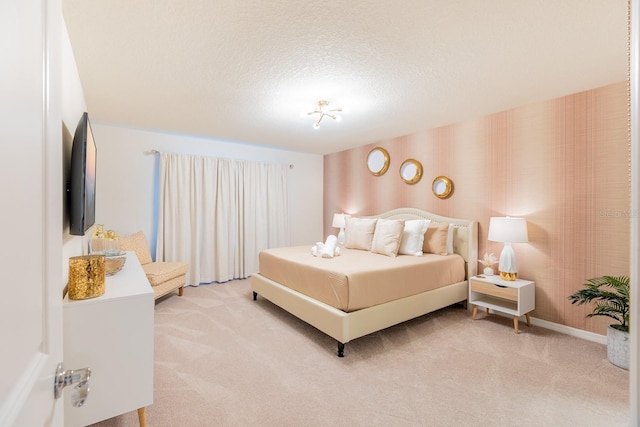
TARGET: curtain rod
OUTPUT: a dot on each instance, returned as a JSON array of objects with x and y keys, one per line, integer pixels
[{"x": 154, "y": 151}]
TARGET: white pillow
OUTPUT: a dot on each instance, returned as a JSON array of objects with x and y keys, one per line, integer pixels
[
  {"x": 413, "y": 237},
  {"x": 359, "y": 232},
  {"x": 386, "y": 238},
  {"x": 450, "y": 239}
]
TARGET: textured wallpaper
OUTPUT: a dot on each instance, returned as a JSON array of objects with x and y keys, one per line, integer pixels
[{"x": 562, "y": 164}]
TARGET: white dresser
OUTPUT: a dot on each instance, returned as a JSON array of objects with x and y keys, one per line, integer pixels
[{"x": 113, "y": 335}]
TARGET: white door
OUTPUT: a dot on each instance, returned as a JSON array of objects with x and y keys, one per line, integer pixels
[{"x": 31, "y": 193}]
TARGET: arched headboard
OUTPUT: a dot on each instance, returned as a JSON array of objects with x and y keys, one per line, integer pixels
[{"x": 465, "y": 234}]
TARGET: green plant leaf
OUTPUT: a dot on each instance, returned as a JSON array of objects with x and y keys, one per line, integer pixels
[{"x": 611, "y": 296}]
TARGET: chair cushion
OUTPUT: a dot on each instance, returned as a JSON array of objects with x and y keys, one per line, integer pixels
[
  {"x": 160, "y": 272},
  {"x": 169, "y": 286},
  {"x": 137, "y": 242}
]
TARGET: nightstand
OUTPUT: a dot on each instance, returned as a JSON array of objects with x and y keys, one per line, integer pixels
[{"x": 514, "y": 297}]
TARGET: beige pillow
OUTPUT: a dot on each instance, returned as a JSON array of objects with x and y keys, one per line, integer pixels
[
  {"x": 359, "y": 233},
  {"x": 387, "y": 236},
  {"x": 435, "y": 239},
  {"x": 137, "y": 242}
]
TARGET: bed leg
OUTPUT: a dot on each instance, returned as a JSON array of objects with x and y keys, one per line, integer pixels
[
  {"x": 340, "y": 349},
  {"x": 255, "y": 295}
]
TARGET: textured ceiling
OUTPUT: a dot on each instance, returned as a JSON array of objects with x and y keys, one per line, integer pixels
[{"x": 244, "y": 70}]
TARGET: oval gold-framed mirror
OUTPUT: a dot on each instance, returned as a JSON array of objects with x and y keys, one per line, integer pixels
[
  {"x": 442, "y": 187},
  {"x": 411, "y": 171},
  {"x": 378, "y": 161}
]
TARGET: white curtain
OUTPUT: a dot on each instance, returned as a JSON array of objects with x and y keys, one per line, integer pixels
[{"x": 218, "y": 214}]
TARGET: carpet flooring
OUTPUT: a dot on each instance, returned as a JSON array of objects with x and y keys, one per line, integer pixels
[{"x": 222, "y": 359}]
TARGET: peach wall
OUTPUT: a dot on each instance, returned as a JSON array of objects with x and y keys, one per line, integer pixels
[{"x": 562, "y": 164}]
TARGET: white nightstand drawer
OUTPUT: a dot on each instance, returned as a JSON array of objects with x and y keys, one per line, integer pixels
[{"x": 494, "y": 290}]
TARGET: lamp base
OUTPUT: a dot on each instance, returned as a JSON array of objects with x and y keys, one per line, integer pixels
[
  {"x": 508, "y": 276},
  {"x": 507, "y": 266}
]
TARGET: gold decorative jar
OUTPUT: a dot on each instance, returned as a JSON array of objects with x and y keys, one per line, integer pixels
[{"x": 86, "y": 276}]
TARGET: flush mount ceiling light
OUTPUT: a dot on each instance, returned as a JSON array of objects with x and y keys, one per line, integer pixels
[{"x": 323, "y": 110}]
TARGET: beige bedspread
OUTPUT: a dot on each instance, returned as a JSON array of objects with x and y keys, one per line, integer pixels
[{"x": 357, "y": 279}]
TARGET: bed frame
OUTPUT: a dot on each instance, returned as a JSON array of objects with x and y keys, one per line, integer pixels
[{"x": 344, "y": 326}]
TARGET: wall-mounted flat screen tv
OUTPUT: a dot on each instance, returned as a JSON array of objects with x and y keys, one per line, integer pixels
[{"x": 82, "y": 183}]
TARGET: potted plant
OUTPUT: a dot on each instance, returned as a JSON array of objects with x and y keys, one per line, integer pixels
[
  {"x": 488, "y": 261},
  {"x": 611, "y": 296}
]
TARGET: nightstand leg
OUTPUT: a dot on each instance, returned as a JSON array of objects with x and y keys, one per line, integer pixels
[
  {"x": 515, "y": 323},
  {"x": 475, "y": 311},
  {"x": 142, "y": 418},
  {"x": 528, "y": 319}
]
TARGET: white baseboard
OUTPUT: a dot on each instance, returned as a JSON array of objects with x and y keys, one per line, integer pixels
[
  {"x": 568, "y": 330},
  {"x": 579, "y": 333}
]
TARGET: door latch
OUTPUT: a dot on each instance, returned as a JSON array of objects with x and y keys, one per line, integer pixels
[{"x": 80, "y": 377}]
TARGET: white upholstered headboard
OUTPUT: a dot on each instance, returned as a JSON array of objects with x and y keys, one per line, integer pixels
[{"x": 465, "y": 235}]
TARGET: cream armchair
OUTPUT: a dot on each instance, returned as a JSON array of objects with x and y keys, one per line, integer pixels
[{"x": 164, "y": 277}]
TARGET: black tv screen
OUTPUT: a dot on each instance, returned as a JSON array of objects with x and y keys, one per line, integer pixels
[{"x": 82, "y": 186}]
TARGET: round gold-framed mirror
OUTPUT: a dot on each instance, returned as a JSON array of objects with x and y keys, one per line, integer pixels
[
  {"x": 411, "y": 171},
  {"x": 378, "y": 161},
  {"x": 442, "y": 187}
]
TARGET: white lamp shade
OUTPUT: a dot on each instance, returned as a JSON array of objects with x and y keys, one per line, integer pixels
[
  {"x": 508, "y": 230},
  {"x": 338, "y": 221}
]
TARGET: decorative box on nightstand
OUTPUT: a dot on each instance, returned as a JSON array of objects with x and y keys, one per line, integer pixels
[{"x": 514, "y": 297}]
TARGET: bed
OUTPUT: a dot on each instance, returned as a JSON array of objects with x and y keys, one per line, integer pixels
[{"x": 349, "y": 314}]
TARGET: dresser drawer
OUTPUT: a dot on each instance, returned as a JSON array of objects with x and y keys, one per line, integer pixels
[{"x": 494, "y": 290}]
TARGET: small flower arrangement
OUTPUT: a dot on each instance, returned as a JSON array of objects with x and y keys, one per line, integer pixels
[
  {"x": 489, "y": 260},
  {"x": 104, "y": 242}
]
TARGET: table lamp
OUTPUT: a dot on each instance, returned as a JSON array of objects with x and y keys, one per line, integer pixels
[
  {"x": 508, "y": 230},
  {"x": 339, "y": 222}
]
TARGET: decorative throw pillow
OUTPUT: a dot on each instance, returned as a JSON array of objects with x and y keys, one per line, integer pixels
[
  {"x": 435, "y": 239},
  {"x": 450, "y": 239},
  {"x": 359, "y": 232},
  {"x": 413, "y": 237},
  {"x": 386, "y": 238}
]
